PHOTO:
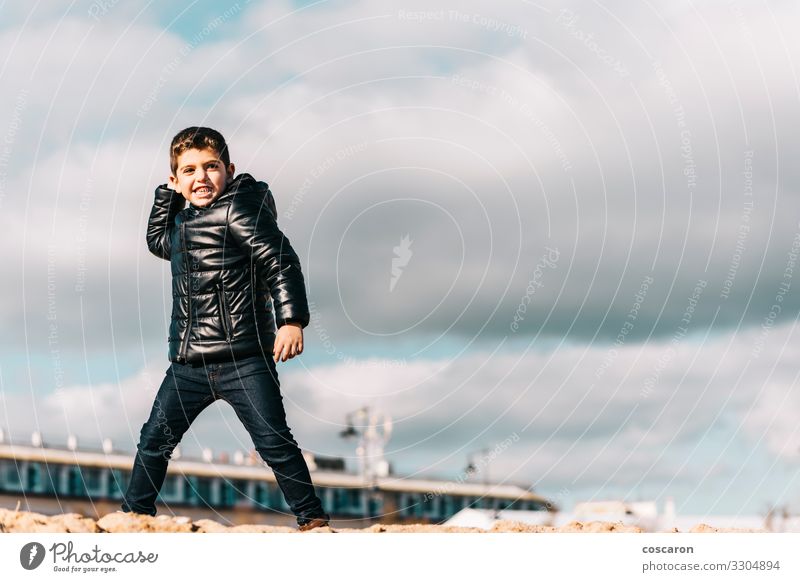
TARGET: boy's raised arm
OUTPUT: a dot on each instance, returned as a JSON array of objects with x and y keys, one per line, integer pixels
[
  {"x": 167, "y": 204},
  {"x": 254, "y": 228}
]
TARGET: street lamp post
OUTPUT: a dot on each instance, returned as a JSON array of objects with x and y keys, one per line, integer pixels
[
  {"x": 373, "y": 430},
  {"x": 481, "y": 467}
]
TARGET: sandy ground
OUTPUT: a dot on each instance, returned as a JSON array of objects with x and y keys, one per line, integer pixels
[{"x": 23, "y": 521}]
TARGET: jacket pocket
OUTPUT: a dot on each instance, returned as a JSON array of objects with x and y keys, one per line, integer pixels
[{"x": 224, "y": 313}]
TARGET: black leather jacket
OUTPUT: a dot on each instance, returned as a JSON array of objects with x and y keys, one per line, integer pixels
[{"x": 228, "y": 259}]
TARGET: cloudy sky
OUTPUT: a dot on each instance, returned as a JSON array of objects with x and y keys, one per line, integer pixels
[{"x": 592, "y": 209}]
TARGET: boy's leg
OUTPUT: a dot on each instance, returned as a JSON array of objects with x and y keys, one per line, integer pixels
[
  {"x": 180, "y": 399},
  {"x": 251, "y": 386}
]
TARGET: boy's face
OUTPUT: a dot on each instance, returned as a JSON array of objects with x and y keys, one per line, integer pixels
[{"x": 201, "y": 176}]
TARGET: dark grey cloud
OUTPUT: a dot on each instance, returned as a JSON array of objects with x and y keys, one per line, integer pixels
[{"x": 467, "y": 157}]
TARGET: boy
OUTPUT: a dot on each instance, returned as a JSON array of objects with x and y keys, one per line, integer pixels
[{"x": 228, "y": 258}]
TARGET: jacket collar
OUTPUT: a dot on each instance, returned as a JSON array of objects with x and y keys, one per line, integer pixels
[{"x": 240, "y": 184}]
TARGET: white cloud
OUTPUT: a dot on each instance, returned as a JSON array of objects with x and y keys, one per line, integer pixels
[{"x": 569, "y": 421}]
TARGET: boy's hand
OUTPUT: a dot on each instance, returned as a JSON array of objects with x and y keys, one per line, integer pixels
[{"x": 288, "y": 342}]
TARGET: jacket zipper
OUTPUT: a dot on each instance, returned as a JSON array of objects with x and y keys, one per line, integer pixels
[
  {"x": 225, "y": 315},
  {"x": 182, "y": 354}
]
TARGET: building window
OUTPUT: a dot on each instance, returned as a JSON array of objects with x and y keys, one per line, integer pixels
[
  {"x": 50, "y": 479},
  {"x": 171, "y": 489},
  {"x": 75, "y": 486},
  {"x": 354, "y": 499},
  {"x": 204, "y": 490},
  {"x": 91, "y": 477},
  {"x": 190, "y": 486},
  {"x": 117, "y": 482},
  {"x": 412, "y": 505},
  {"x": 278, "y": 501},
  {"x": 407, "y": 501},
  {"x": 374, "y": 505},
  {"x": 11, "y": 481},
  {"x": 432, "y": 506},
  {"x": 340, "y": 500},
  {"x": 262, "y": 495},
  {"x": 326, "y": 495},
  {"x": 34, "y": 480},
  {"x": 232, "y": 491},
  {"x": 447, "y": 506},
  {"x": 346, "y": 500}
]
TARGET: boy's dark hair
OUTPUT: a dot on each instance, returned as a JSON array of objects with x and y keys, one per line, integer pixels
[{"x": 199, "y": 138}]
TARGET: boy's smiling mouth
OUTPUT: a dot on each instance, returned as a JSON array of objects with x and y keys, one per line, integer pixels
[{"x": 203, "y": 195}]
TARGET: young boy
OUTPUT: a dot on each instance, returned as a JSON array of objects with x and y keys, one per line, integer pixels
[{"x": 228, "y": 258}]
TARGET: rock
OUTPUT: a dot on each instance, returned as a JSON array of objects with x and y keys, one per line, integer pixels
[
  {"x": 210, "y": 526},
  {"x": 133, "y": 522},
  {"x": 508, "y": 526},
  {"x": 24, "y": 521},
  {"x": 265, "y": 529},
  {"x": 705, "y": 528},
  {"x": 76, "y": 523},
  {"x": 411, "y": 528},
  {"x": 599, "y": 527},
  {"x": 615, "y": 527}
]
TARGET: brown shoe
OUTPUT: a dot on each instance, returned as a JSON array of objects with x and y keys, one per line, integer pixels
[{"x": 314, "y": 523}]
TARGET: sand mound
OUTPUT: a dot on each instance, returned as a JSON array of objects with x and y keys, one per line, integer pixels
[
  {"x": 505, "y": 526},
  {"x": 23, "y": 521},
  {"x": 134, "y": 523},
  {"x": 704, "y": 528}
]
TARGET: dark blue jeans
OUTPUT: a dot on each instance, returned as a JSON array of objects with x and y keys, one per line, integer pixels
[{"x": 251, "y": 386}]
